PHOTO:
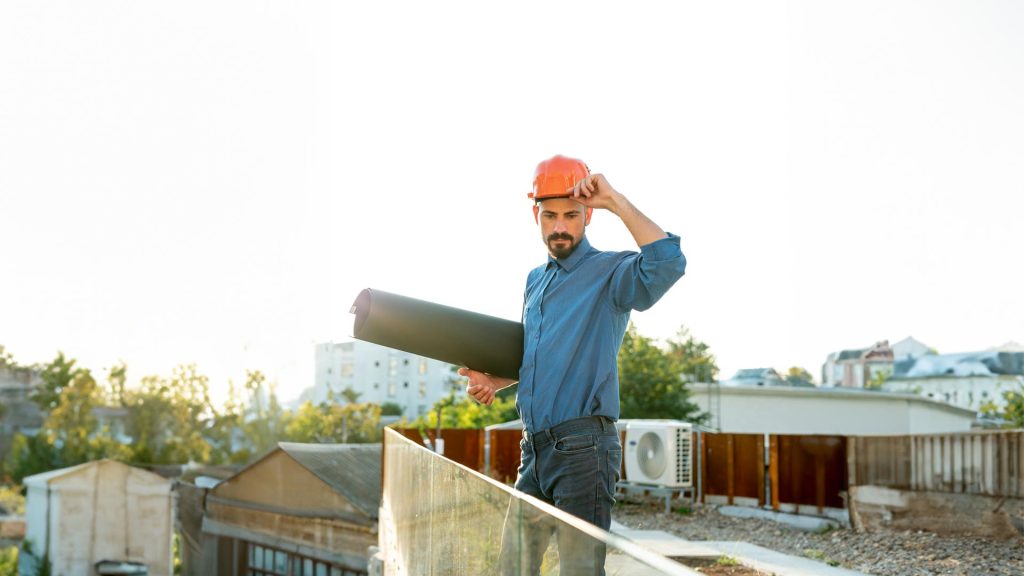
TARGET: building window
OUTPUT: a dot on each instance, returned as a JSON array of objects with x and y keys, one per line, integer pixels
[
  {"x": 346, "y": 369},
  {"x": 376, "y": 386},
  {"x": 268, "y": 561},
  {"x": 392, "y": 388},
  {"x": 423, "y": 366},
  {"x": 263, "y": 560},
  {"x": 421, "y": 409},
  {"x": 376, "y": 363},
  {"x": 423, "y": 389},
  {"x": 405, "y": 362},
  {"x": 405, "y": 384}
]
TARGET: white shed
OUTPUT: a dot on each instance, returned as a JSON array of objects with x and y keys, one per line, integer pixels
[
  {"x": 841, "y": 411},
  {"x": 98, "y": 511}
]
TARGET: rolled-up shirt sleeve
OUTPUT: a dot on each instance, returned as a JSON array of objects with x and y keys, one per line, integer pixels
[{"x": 641, "y": 279}]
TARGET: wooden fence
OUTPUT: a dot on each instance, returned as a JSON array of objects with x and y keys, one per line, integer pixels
[
  {"x": 983, "y": 462},
  {"x": 732, "y": 466},
  {"x": 799, "y": 471}
]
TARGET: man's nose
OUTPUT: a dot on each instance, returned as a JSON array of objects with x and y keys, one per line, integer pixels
[{"x": 560, "y": 225}]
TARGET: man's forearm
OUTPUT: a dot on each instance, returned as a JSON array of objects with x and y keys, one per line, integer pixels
[{"x": 643, "y": 229}]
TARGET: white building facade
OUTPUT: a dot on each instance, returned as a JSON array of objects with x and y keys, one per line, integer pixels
[
  {"x": 381, "y": 375},
  {"x": 969, "y": 379}
]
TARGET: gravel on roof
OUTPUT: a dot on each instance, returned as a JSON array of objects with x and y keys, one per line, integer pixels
[{"x": 880, "y": 553}]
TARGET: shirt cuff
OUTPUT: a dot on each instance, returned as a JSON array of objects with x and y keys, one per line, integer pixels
[{"x": 665, "y": 248}]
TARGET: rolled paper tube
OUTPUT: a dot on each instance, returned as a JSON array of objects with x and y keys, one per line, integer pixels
[{"x": 477, "y": 341}]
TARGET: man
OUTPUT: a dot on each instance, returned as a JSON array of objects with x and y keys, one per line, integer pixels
[{"x": 575, "y": 312}]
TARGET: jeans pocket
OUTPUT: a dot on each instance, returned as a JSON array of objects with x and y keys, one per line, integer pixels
[
  {"x": 577, "y": 444},
  {"x": 614, "y": 464}
]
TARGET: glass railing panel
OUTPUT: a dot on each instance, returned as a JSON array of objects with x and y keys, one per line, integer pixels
[{"x": 441, "y": 518}]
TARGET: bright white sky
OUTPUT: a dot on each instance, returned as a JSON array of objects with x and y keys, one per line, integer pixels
[{"x": 214, "y": 182}]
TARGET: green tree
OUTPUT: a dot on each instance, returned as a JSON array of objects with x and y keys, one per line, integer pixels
[
  {"x": 31, "y": 455},
  {"x": 467, "y": 413},
  {"x": 149, "y": 418},
  {"x": 225, "y": 431},
  {"x": 71, "y": 424},
  {"x": 265, "y": 420},
  {"x": 693, "y": 358},
  {"x": 56, "y": 375},
  {"x": 390, "y": 409},
  {"x": 71, "y": 433},
  {"x": 117, "y": 378},
  {"x": 878, "y": 379},
  {"x": 169, "y": 418},
  {"x": 651, "y": 380},
  {"x": 1013, "y": 412},
  {"x": 335, "y": 423},
  {"x": 351, "y": 396},
  {"x": 797, "y": 376},
  {"x": 6, "y": 358}
]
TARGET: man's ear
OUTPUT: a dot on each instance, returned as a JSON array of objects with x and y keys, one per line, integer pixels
[
  {"x": 536, "y": 209},
  {"x": 590, "y": 212}
]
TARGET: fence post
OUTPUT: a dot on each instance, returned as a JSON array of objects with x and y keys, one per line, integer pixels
[
  {"x": 773, "y": 468},
  {"x": 704, "y": 467},
  {"x": 760, "y": 471},
  {"x": 851, "y": 462},
  {"x": 731, "y": 468}
]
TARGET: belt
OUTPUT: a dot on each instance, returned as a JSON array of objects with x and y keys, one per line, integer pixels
[{"x": 600, "y": 425}]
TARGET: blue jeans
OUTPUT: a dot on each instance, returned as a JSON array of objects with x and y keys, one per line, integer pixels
[{"x": 573, "y": 466}]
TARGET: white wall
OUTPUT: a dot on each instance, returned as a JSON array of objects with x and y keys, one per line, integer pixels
[{"x": 783, "y": 410}]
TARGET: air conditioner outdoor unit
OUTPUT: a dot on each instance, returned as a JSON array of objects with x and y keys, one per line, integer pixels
[{"x": 658, "y": 452}]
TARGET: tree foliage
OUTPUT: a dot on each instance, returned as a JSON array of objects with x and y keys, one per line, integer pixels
[
  {"x": 799, "y": 376},
  {"x": 652, "y": 381},
  {"x": 71, "y": 433},
  {"x": 56, "y": 375},
  {"x": 693, "y": 358},
  {"x": 878, "y": 379},
  {"x": 332, "y": 422},
  {"x": 462, "y": 411},
  {"x": 170, "y": 419},
  {"x": 1013, "y": 412}
]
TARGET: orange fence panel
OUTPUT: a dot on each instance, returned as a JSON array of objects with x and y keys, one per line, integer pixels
[
  {"x": 812, "y": 471},
  {"x": 732, "y": 465}
]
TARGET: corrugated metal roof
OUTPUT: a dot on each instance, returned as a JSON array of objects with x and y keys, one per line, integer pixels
[
  {"x": 984, "y": 363},
  {"x": 352, "y": 470}
]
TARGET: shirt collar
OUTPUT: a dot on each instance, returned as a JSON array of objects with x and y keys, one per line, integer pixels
[{"x": 569, "y": 263}]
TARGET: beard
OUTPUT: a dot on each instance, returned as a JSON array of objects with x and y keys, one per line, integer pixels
[{"x": 562, "y": 251}]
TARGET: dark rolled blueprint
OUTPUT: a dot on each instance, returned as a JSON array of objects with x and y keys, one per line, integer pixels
[{"x": 452, "y": 335}]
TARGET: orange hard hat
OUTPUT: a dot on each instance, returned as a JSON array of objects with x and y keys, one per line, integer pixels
[{"x": 554, "y": 177}]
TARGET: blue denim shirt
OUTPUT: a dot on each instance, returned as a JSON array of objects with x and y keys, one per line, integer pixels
[{"x": 575, "y": 314}]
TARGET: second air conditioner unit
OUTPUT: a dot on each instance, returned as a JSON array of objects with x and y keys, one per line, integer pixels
[{"x": 659, "y": 453}]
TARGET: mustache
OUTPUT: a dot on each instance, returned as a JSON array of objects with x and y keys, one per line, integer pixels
[{"x": 560, "y": 236}]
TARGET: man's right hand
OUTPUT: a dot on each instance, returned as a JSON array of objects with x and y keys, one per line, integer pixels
[{"x": 483, "y": 386}]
